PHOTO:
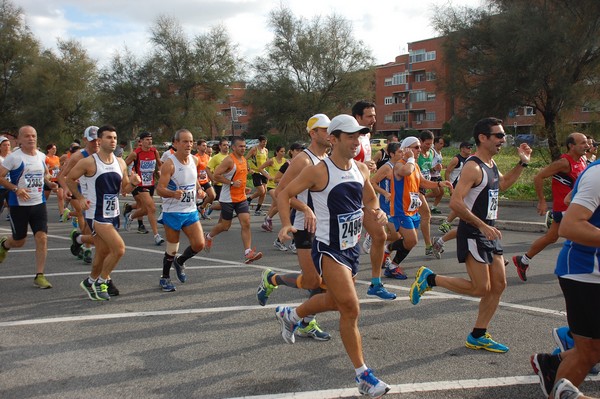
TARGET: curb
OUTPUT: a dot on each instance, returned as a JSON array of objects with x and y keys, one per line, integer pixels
[{"x": 508, "y": 225}]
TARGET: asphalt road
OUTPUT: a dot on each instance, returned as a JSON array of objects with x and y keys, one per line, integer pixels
[{"x": 211, "y": 339}]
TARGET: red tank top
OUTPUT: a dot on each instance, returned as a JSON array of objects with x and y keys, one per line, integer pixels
[{"x": 562, "y": 183}]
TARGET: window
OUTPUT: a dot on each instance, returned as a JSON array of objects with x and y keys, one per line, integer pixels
[
  {"x": 421, "y": 55},
  {"x": 399, "y": 78},
  {"x": 420, "y": 77},
  {"x": 242, "y": 112},
  {"x": 416, "y": 96},
  {"x": 387, "y": 82},
  {"x": 387, "y": 119},
  {"x": 388, "y": 100},
  {"x": 528, "y": 111},
  {"x": 430, "y": 116},
  {"x": 431, "y": 76},
  {"x": 399, "y": 116},
  {"x": 430, "y": 96}
]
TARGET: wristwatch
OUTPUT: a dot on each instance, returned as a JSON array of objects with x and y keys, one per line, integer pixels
[
  {"x": 14, "y": 190},
  {"x": 523, "y": 164}
]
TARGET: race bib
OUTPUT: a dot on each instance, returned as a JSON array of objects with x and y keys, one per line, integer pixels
[
  {"x": 202, "y": 175},
  {"x": 350, "y": 226},
  {"x": 189, "y": 196},
  {"x": 147, "y": 178},
  {"x": 55, "y": 173},
  {"x": 415, "y": 202},
  {"x": 492, "y": 211},
  {"x": 33, "y": 181},
  {"x": 110, "y": 205}
]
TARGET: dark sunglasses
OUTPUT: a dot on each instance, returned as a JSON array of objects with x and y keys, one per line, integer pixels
[
  {"x": 497, "y": 135},
  {"x": 416, "y": 147}
]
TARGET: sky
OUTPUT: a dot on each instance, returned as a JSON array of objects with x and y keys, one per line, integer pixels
[{"x": 105, "y": 27}]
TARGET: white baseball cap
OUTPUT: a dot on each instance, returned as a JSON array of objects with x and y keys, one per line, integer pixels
[
  {"x": 409, "y": 141},
  {"x": 347, "y": 124},
  {"x": 91, "y": 133},
  {"x": 316, "y": 121}
]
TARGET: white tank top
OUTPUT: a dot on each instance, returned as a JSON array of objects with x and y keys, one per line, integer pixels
[
  {"x": 304, "y": 196},
  {"x": 103, "y": 190},
  {"x": 338, "y": 207},
  {"x": 184, "y": 178}
]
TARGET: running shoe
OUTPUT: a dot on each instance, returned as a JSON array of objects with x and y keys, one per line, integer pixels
[
  {"x": 292, "y": 247},
  {"x": 126, "y": 215},
  {"x": 65, "y": 216},
  {"x": 420, "y": 285},
  {"x": 312, "y": 330},
  {"x": 208, "y": 242},
  {"x": 267, "y": 225},
  {"x": 208, "y": 212},
  {"x": 521, "y": 267},
  {"x": 429, "y": 250},
  {"x": 41, "y": 281},
  {"x": 396, "y": 273},
  {"x": 387, "y": 262},
  {"x": 3, "y": 251},
  {"x": 288, "y": 327},
  {"x": 564, "y": 389},
  {"x": 179, "y": 270},
  {"x": 486, "y": 342},
  {"x": 111, "y": 288},
  {"x": 75, "y": 246},
  {"x": 265, "y": 288},
  {"x": 101, "y": 290},
  {"x": 543, "y": 366},
  {"x": 158, "y": 239},
  {"x": 367, "y": 243},
  {"x": 279, "y": 245},
  {"x": 435, "y": 211},
  {"x": 258, "y": 213},
  {"x": 203, "y": 214},
  {"x": 80, "y": 253},
  {"x": 166, "y": 285},
  {"x": 437, "y": 247},
  {"x": 445, "y": 227},
  {"x": 75, "y": 222},
  {"x": 89, "y": 289},
  {"x": 549, "y": 219},
  {"x": 370, "y": 385},
  {"x": 562, "y": 338},
  {"x": 380, "y": 292},
  {"x": 87, "y": 255},
  {"x": 142, "y": 230},
  {"x": 252, "y": 256}
]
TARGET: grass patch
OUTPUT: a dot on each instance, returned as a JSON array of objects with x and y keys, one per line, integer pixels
[{"x": 523, "y": 189}]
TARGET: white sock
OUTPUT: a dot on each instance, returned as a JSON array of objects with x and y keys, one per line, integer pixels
[
  {"x": 294, "y": 316},
  {"x": 78, "y": 239},
  {"x": 361, "y": 369},
  {"x": 525, "y": 259}
]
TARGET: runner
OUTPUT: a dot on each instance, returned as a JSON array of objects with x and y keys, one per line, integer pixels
[
  {"x": 405, "y": 206},
  {"x": 53, "y": 164},
  {"x": 303, "y": 222},
  {"x": 104, "y": 175},
  {"x": 28, "y": 173},
  {"x": 232, "y": 173},
  {"x": 475, "y": 201},
  {"x": 564, "y": 172},
  {"x": 269, "y": 169},
  {"x": 4, "y": 151},
  {"x": 257, "y": 156},
  {"x": 213, "y": 163},
  {"x": 146, "y": 162},
  {"x": 436, "y": 174},
  {"x": 340, "y": 190},
  {"x": 204, "y": 178},
  {"x": 81, "y": 235},
  {"x": 177, "y": 186}
]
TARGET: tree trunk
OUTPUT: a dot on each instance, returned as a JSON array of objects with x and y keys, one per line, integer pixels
[{"x": 550, "y": 127}]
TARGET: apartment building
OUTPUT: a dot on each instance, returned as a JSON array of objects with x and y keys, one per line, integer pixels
[{"x": 407, "y": 97}]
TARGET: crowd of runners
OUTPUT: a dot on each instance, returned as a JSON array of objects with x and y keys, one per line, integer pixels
[{"x": 324, "y": 194}]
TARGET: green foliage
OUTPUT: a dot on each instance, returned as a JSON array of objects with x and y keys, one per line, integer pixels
[
  {"x": 311, "y": 67},
  {"x": 538, "y": 53}
]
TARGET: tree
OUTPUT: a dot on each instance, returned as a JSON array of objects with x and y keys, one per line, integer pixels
[
  {"x": 539, "y": 53},
  {"x": 18, "y": 51},
  {"x": 60, "y": 93},
  {"x": 193, "y": 74},
  {"x": 310, "y": 67}
]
